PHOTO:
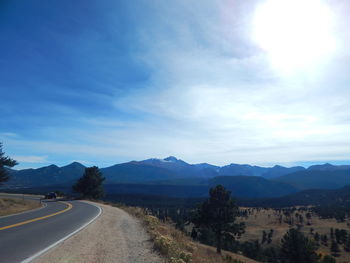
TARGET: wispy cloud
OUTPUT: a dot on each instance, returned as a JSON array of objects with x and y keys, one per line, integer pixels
[
  {"x": 185, "y": 79},
  {"x": 30, "y": 159}
]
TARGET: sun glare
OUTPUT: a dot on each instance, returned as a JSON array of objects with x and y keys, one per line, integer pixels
[{"x": 296, "y": 34}]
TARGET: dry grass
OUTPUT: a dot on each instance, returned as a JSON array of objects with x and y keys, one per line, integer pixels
[
  {"x": 266, "y": 219},
  {"x": 10, "y": 206},
  {"x": 176, "y": 247}
]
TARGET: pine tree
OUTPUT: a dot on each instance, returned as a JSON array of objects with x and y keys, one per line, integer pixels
[
  {"x": 90, "y": 184},
  {"x": 332, "y": 233},
  {"x": 269, "y": 237},
  {"x": 271, "y": 255},
  {"x": 317, "y": 237},
  {"x": 325, "y": 240},
  {"x": 296, "y": 248},
  {"x": 347, "y": 244},
  {"x": 335, "y": 248},
  {"x": 218, "y": 214},
  {"x": 301, "y": 219},
  {"x": 5, "y": 161},
  {"x": 264, "y": 237},
  {"x": 328, "y": 259},
  {"x": 308, "y": 216}
]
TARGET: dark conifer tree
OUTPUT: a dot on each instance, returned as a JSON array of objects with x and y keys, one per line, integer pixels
[
  {"x": 5, "y": 161},
  {"x": 332, "y": 233},
  {"x": 347, "y": 244},
  {"x": 90, "y": 184},
  {"x": 328, "y": 259},
  {"x": 317, "y": 237},
  {"x": 335, "y": 248},
  {"x": 218, "y": 214},
  {"x": 264, "y": 237},
  {"x": 269, "y": 237},
  {"x": 325, "y": 240},
  {"x": 296, "y": 248}
]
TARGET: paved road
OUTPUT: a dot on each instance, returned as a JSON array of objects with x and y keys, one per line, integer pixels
[{"x": 26, "y": 234}]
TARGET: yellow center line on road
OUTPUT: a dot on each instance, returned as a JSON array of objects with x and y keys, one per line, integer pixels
[{"x": 39, "y": 218}]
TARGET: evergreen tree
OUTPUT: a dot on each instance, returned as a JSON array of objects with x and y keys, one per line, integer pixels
[
  {"x": 252, "y": 250},
  {"x": 335, "y": 248},
  {"x": 264, "y": 237},
  {"x": 301, "y": 219},
  {"x": 337, "y": 235},
  {"x": 296, "y": 248},
  {"x": 340, "y": 236},
  {"x": 308, "y": 216},
  {"x": 90, "y": 184},
  {"x": 328, "y": 259},
  {"x": 332, "y": 233},
  {"x": 194, "y": 233},
  {"x": 325, "y": 240},
  {"x": 269, "y": 237},
  {"x": 218, "y": 214},
  {"x": 347, "y": 244},
  {"x": 5, "y": 161},
  {"x": 317, "y": 238},
  {"x": 271, "y": 255}
]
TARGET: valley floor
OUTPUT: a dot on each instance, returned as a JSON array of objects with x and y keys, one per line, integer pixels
[{"x": 259, "y": 220}]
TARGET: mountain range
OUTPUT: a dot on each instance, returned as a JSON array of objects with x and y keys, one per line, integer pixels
[{"x": 242, "y": 179}]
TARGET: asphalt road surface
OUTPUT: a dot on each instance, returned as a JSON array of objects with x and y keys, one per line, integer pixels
[{"x": 28, "y": 234}]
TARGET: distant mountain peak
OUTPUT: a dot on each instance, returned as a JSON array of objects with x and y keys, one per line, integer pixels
[
  {"x": 76, "y": 164},
  {"x": 51, "y": 166},
  {"x": 73, "y": 165},
  {"x": 171, "y": 159},
  {"x": 325, "y": 166}
]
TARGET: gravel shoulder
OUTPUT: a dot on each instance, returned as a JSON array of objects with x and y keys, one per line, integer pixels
[{"x": 114, "y": 237}]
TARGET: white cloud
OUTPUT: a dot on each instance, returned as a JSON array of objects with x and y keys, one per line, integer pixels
[{"x": 30, "y": 159}]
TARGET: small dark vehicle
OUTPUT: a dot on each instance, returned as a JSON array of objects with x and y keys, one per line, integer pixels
[{"x": 51, "y": 195}]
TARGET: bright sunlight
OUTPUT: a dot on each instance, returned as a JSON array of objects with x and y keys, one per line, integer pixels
[{"x": 296, "y": 34}]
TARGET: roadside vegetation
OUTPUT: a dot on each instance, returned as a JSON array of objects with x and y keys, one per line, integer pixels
[{"x": 10, "y": 206}]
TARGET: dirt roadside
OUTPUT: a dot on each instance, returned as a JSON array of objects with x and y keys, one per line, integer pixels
[{"x": 114, "y": 237}]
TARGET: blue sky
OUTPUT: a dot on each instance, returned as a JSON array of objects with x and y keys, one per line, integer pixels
[{"x": 103, "y": 82}]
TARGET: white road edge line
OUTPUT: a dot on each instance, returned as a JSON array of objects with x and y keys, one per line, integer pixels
[{"x": 27, "y": 260}]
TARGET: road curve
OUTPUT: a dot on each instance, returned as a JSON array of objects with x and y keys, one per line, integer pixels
[{"x": 25, "y": 235}]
